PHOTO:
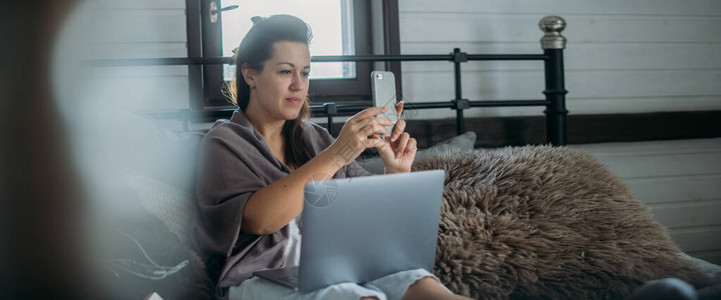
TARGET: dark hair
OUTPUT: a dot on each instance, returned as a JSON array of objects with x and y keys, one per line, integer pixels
[{"x": 254, "y": 50}]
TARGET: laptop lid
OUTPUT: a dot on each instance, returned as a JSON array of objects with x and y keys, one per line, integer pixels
[{"x": 363, "y": 228}]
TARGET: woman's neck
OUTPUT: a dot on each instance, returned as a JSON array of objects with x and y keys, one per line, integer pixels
[{"x": 272, "y": 130}]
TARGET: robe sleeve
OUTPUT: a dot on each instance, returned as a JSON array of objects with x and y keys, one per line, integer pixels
[
  {"x": 354, "y": 169},
  {"x": 228, "y": 177}
]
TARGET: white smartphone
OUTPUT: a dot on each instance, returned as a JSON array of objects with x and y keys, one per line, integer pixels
[{"x": 384, "y": 94}]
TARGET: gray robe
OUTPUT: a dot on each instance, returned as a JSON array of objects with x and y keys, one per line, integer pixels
[{"x": 234, "y": 162}]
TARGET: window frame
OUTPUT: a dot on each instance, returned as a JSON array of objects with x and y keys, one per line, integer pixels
[{"x": 205, "y": 40}]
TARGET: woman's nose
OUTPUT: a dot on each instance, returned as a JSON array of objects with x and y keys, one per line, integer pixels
[{"x": 298, "y": 83}]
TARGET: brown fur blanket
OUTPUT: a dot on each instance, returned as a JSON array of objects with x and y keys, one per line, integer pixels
[{"x": 545, "y": 222}]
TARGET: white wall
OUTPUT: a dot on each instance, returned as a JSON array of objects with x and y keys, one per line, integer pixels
[
  {"x": 679, "y": 181},
  {"x": 622, "y": 56},
  {"x": 144, "y": 29}
]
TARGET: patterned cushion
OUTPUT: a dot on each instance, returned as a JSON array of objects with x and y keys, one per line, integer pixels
[{"x": 174, "y": 206}]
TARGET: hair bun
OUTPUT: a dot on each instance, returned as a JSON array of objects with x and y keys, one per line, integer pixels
[{"x": 256, "y": 19}]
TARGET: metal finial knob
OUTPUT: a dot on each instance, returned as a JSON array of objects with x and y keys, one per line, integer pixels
[{"x": 552, "y": 27}]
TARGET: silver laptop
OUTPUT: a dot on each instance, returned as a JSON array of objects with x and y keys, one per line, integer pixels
[{"x": 363, "y": 228}]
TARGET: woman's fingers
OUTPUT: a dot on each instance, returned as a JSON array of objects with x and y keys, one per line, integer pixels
[
  {"x": 373, "y": 131},
  {"x": 399, "y": 109},
  {"x": 361, "y": 125},
  {"x": 412, "y": 146},
  {"x": 368, "y": 113},
  {"x": 360, "y": 121},
  {"x": 402, "y": 144},
  {"x": 365, "y": 124},
  {"x": 374, "y": 128},
  {"x": 398, "y": 129},
  {"x": 356, "y": 130},
  {"x": 374, "y": 141},
  {"x": 376, "y": 123}
]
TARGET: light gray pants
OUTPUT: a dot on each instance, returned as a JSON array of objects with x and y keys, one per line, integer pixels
[{"x": 391, "y": 287}]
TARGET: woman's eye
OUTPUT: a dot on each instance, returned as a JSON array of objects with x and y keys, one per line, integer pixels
[
  {"x": 306, "y": 74},
  {"x": 286, "y": 72}
]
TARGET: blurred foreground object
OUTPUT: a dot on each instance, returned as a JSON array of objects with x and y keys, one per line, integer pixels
[{"x": 41, "y": 208}]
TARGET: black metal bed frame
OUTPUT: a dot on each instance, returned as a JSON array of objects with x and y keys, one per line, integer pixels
[{"x": 552, "y": 43}]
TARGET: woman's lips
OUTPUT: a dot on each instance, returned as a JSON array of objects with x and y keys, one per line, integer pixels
[{"x": 294, "y": 100}]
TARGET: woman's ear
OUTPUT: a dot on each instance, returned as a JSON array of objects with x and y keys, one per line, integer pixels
[{"x": 248, "y": 74}]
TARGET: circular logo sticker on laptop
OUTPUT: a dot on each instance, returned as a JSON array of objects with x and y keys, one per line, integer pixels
[{"x": 321, "y": 193}]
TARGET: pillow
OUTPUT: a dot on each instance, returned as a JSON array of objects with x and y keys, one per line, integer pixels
[
  {"x": 156, "y": 151},
  {"x": 175, "y": 207},
  {"x": 138, "y": 256},
  {"x": 463, "y": 142},
  {"x": 126, "y": 139},
  {"x": 541, "y": 222},
  {"x": 711, "y": 270}
]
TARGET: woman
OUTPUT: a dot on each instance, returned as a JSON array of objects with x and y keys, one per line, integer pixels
[{"x": 253, "y": 169}]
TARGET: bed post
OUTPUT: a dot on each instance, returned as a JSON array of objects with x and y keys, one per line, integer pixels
[
  {"x": 553, "y": 44},
  {"x": 331, "y": 110},
  {"x": 459, "y": 103}
]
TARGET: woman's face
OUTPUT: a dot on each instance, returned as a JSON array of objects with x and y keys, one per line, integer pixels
[{"x": 280, "y": 89}]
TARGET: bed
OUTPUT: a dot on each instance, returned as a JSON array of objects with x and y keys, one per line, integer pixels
[{"x": 517, "y": 222}]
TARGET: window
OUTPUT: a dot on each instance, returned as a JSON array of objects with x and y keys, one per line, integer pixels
[
  {"x": 343, "y": 28},
  {"x": 331, "y": 21}
]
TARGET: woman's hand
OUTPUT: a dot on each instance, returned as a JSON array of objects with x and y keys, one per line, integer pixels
[
  {"x": 353, "y": 138},
  {"x": 398, "y": 153}
]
